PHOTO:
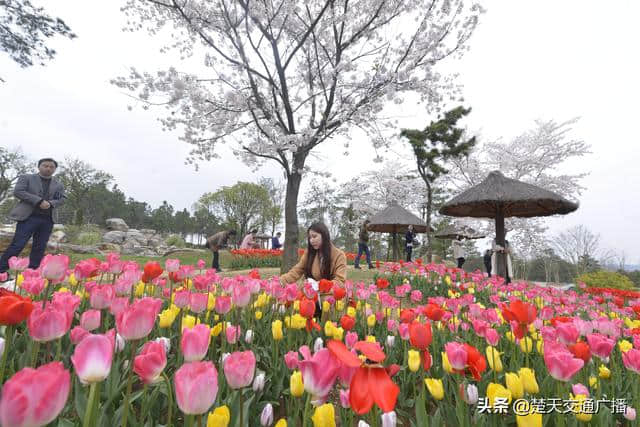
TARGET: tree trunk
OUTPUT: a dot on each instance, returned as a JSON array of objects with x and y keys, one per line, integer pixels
[
  {"x": 428, "y": 221},
  {"x": 290, "y": 253},
  {"x": 501, "y": 259}
]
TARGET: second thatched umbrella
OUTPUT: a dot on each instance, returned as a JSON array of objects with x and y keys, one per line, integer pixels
[
  {"x": 500, "y": 197},
  {"x": 395, "y": 219}
]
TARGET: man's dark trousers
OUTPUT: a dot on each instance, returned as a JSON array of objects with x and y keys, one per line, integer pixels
[
  {"x": 38, "y": 226},
  {"x": 215, "y": 263},
  {"x": 363, "y": 248}
]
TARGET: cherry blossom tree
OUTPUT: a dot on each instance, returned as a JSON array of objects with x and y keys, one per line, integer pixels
[{"x": 282, "y": 77}]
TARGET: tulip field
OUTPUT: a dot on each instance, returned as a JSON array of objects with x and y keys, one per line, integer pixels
[{"x": 108, "y": 342}]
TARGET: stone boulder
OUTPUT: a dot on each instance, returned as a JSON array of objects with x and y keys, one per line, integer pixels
[
  {"x": 59, "y": 236},
  {"x": 117, "y": 224},
  {"x": 115, "y": 236},
  {"x": 109, "y": 247},
  {"x": 136, "y": 237}
]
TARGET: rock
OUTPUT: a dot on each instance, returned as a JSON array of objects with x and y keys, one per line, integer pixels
[
  {"x": 5, "y": 240},
  {"x": 58, "y": 236},
  {"x": 116, "y": 237},
  {"x": 117, "y": 224},
  {"x": 57, "y": 227},
  {"x": 109, "y": 247},
  {"x": 156, "y": 241},
  {"x": 137, "y": 237},
  {"x": 148, "y": 231}
]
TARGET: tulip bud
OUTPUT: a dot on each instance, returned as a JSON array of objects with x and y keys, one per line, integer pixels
[
  {"x": 258, "y": 382},
  {"x": 120, "y": 343},
  {"x": 1, "y": 345},
  {"x": 318, "y": 345},
  {"x": 224, "y": 357},
  {"x": 389, "y": 419},
  {"x": 248, "y": 336},
  {"x": 362, "y": 424},
  {"x": 344, "y": 399},
  {"x": 296, "y": 384},
  {"x": 414, "y": 360},
  {"x": 266, "y": 417},
  {"x": 630, "y": 413},
  {"x": 391, "y": 340},
  {"x": 164, "y": 341}
]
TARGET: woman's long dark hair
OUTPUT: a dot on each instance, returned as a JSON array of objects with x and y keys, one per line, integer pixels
[{"x": 325, "y": 251}]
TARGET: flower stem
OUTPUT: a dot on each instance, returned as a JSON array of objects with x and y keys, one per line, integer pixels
[
  {"x": 34, "y": 353},
  {"x": 88, "y": 414},
  {"x": 59, "y": 349},
  {"x": 188, "y": 422},
  {"x": 170, "y": 397},
  {"x": 560, "y": 418},
  {"x": 8, "y": 336},
  {"x": 241, "y": 407},
  {"x": 125, "y": 415},
  {"x": 305, "y": 420}
]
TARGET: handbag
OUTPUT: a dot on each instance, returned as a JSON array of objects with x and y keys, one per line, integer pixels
[{"x": 415, "y": 242}]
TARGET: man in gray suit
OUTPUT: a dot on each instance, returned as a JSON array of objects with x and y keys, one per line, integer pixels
[{"x": 39, "y": 195}]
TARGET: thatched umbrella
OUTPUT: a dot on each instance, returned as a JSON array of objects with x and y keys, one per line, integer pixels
[
  {"x": 395, "y": 219},
  {"x": 452, "y": 232},
  {"x": 500, "y": 197}
]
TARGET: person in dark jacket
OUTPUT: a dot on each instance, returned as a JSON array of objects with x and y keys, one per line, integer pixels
[
  {"x": 275, "y": 241},
  {"x": 363, "y": 246},
  {"x": 487, "y": 261},
  {"x": 39, "y": 196},
  {"x": 215, "y": 243},
  {"x": 409, "y": 237}
]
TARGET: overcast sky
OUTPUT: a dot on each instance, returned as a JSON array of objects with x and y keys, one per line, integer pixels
[{"x": 528, "y": 60}]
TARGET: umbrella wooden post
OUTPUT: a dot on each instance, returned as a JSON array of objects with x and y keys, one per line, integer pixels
[
  {"x": 501, "y": 262},
  {"x": 396, "y": 255}
]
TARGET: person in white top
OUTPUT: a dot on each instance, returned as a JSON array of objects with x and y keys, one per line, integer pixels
[
  {"x": 247, "y": 242},
  {"x": 496, "y": 248},
  {"x": 458, "y": 251}
]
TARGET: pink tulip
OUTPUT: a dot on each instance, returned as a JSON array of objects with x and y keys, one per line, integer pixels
[
  {"x": 35, "y": 397},
  {"x": 492, "y": 337},
  {"x": 182, "y": 298},
  {"x": 118, "y": 305},
  {"x": 630, "y": 413},
  {"x": 66, "y": 301},
  {"x": 403, "y": 330},
  {"x": 600, "y": 345},
  {"x": 562, "y": 365},
  {"x": 18, "y": 264},
  {"x": 631, "y": 360},
  {"x": 172, "y": 265},
  {"x": 151, "y": 361},
  {"x": 54, "y": 267},
  {"x": 351, "y": 339},
  {"x": 291, "y": 360},
  {"x": 239, "y": 369},
  {"x": 195, "y": 342},
  {"x": 580, "y": 389},
  {"x": 567, "y": 333},
  {"x": 137, "y": 320},
  {"x": 196, "y": 387},
  {"x": 241, "y": 295},
  {"x": 456, "y": 354},
  {"x": 223, "y": 304},
  {"x": 86, "y": 268},
  {"x": 123, "y": 286},
  {"x": 92, "y": 358},
  {"x": 90, "y": 320},
  {"x": 33, "y": 285},
  {"x": 416, "y": 296},
  {"x": 344, "y": 398},
  {"x": 78, "y": 334},
  {"x": 392, "y": 325},
  {"x": 198, "y": 302},
  {"x": 232, "y": 333},
  {"x": 49, "y": 323},
  {"x": 201, "y": 264},
  {"x": 319, "y": 373},
  {"x": 101, "y": 296}
]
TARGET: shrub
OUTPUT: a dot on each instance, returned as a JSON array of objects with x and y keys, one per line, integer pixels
[
  {"x": 88, "y": 238},
  {"x": 605, "y": 279},
  {"x": 175, "y": 240}
]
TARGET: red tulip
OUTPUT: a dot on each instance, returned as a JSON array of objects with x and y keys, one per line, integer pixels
[
  {"x": 13, "y": 308},
  {"x": 151, "y": 361},
  {"x": 581, "y": 350},
  {"x": 347, "y": 322},
  {"x": 35, "y": 397},
  {"x": 137, "y": 320},
  {"x": 522, "y": 313},
  {"x": 49, "y": 323},
  {"x": 196, "y": 387},
  {"x": 420, "y": 335},
  {"x": 407, "y": 315},
  {"x": 433, "y": 312},
  {"x": 339, "y": 293},
  {"x": 307, "y": 308},
  {"x": 152, "y": 270},
  {"x": 382, "y": 283},
  {"x": 92, "y": 358},
  {"x": 325, "y": 285}
]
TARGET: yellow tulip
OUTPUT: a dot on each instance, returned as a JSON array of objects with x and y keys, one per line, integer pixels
[
  {"x": 625, "y": 346},
  {"x": 276, "y": 330},
  {"x": 351, "y": 312},
  {"x": 371, "y": 320},
  {"x": 540, "y": 346},
  {"x": 528, "y": 378},
  {"x": 287, "y": 322},
  {"x": 497, "y": 390},
  {"x": 211, "y": 302},
  {"x": 493, "y": 357},
  {"x": 338, "y": 333},
  {"x": 295, "y": 384},
  {"x": 20, "y": 279},
  {"x": 414, "y": 360},
  {"x": 296, "y": 305},
  {"x": 370, "y": 338},
  {"x": 216, "y": 330},
  {"x": 435, "y": 387},
  {"x": 282, "y": 422},
  {"x": 261, "y": 300},
  {"x": 324, "y": 416},
  {"x": 447, "y": 280},
  {"x": 578, "y": 408},
  {"x": 72, "y": 280},
  {"x": 604, "y": 372},
  {"x": 510, "y": 336},
  {"x": 139, "y": 289},
  {"x": 446, "y": 364},
  {"x": 593, "y": 382},
  {"x": 167, "y": 318},
  {"x": 526, "y": 344},
  {"x": 514, "y": 384},
  {"x": 532, "y": 419},
  {"x": 326, "y": 306},
  {"x": 188, "y": 321},
  {"x": 220, "y": 417},
  {"x": 329, "y": 326},
  {"x": 63, "y": 289},
  {"x": 258, "y": 315},
  {"x": 340, "y": 305},
  {"x": 298, "y": 322}
]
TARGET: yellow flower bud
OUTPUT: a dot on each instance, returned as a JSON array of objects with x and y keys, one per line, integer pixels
[
  {"x": 216, "y": 330},
  {"x": 220, "y": 417},
  {"x": 351, "y": 312},
  {"x": 139, "y": 289},
  {"x": 414, "y": 360},
  {"x": 370, "y": 338},
  {"x": 526, "y": 344},
  {"x": 625, "y": 346},
  {"x": 532, "y": 419},
  {"x": 282, "y": 422},
  {"x": 528, "y": 378},
  {"x": 581, "y": 415},
  {"x": 340, "y": 305},
  {"x": 328, "y": 328},
  {"x": 258, "y": 315},
  {"x": 446, "y": 364},
  {"x": 326, "y": 306},
  {"x": 295, "y": 384},
  {"x": 514, "y": 384},
  {"x": 497, "y": 390},
  {"x": 167, "y": 318},
  {"x": 211, "y": 302},
  {"x": 493, "y": 358},
  {"x": 188, "y": 321},
  {"x": 604, "y": 372},
  {"x": 72, "y": 279},
  {"x": 435, "y": 387},
  {"x": 324, "y": 416},
  {"x": 371, "y": 320},
  {"x": 338, "y": 333},
  {"x": 63, "y": 289},
  {"x": 276, "y": 330},
  {"x": 593, "y": 382},
  {"x": 296, "y": 305}
]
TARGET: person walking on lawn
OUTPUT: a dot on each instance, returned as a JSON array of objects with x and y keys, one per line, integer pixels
[
  {"x": 363, "y": 245},
  {"x": 39, "y": 195},
  {"x": 215, "y": 243}
]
